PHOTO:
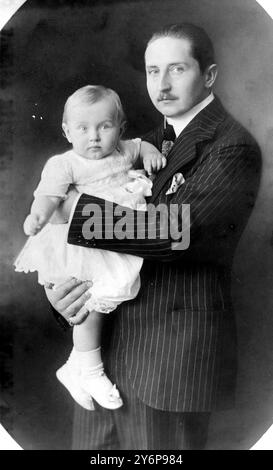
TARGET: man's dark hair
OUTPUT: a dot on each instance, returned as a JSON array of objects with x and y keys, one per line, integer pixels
[{"x": 201, "y": 45}]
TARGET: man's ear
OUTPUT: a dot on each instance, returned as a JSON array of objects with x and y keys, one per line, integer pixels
[
  {"x": 210, "y": 75},
  {"x": 66, "y": 132}
]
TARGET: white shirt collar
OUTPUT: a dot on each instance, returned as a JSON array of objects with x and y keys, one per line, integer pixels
[{"x": 180, "y": 123}]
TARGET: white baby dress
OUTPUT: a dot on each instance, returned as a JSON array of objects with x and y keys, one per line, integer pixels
[{"x": 115, "y": 276}]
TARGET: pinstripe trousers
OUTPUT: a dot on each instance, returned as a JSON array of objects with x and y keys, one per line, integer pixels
[{"x": 137, "y": 426}]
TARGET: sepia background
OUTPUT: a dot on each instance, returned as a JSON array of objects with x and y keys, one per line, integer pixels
[{"x": 50, "y": 48}]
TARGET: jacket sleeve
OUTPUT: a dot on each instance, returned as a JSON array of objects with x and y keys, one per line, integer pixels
[{"x": 221, "y": 194}]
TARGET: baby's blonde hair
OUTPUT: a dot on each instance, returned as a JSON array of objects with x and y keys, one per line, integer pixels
[{"x": 90, "y": 94}]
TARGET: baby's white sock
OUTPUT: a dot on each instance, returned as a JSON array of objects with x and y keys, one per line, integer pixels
[{"x": 88, "y": 360}]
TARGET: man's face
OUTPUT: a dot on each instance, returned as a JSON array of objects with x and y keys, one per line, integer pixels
[{"x": 174, "y": 80}]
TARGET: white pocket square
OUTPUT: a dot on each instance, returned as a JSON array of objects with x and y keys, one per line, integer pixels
[{"x": 177, "y": 180}]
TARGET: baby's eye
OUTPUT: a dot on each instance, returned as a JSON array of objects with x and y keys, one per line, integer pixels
[
  {"x": 106, "y": 125},
  {"x": 82, "y": 128}
]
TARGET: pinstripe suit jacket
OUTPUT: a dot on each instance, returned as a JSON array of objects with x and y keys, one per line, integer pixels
[{"x": 177, "y": 339}]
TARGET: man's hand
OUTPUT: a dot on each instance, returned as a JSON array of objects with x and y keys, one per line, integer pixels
[
  {"x": 69, "y": 299},
  {"x": 62, "y": 213}
]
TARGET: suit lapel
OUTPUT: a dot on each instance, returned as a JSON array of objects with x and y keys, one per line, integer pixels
[{"x": 201, "y": 128}]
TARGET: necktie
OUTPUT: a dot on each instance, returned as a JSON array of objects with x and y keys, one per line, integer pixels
[
  {"x": 168, "y": 133},
  {"x": 168, "y": 139}
]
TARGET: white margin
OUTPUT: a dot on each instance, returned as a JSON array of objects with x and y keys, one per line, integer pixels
[{"x": 7, "y": 10}]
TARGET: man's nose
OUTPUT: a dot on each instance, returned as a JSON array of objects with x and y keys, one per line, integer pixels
[{"x": 164, "y": 82}]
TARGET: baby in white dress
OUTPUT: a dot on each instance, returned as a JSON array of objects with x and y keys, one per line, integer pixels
[{"x": 99, "y": 164}]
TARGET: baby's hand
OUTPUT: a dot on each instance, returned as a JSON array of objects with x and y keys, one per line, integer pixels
[
  {"x": 33, "y": 224},
  {"x": 154, "y": 161}
]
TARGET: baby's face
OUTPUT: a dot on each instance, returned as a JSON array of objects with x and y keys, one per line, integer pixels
[{"x": 93, "y": 129}]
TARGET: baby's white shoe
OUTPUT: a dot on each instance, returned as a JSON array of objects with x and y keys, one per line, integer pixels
[
  {"x": 94, "y": 381},
  {"x": 68, "y": 375}
]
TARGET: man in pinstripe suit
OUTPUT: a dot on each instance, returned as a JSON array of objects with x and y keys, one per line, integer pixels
[{"x": 172, "y": 351}]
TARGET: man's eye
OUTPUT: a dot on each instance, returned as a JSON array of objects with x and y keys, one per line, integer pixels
[
  {"x": 82, "y": 128},
  {"x": 177, "y": 69},
  {"x": 152, "y": 72}
]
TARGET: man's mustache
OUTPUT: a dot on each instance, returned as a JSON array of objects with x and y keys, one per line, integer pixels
[{"x": 166, "y": 96}]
